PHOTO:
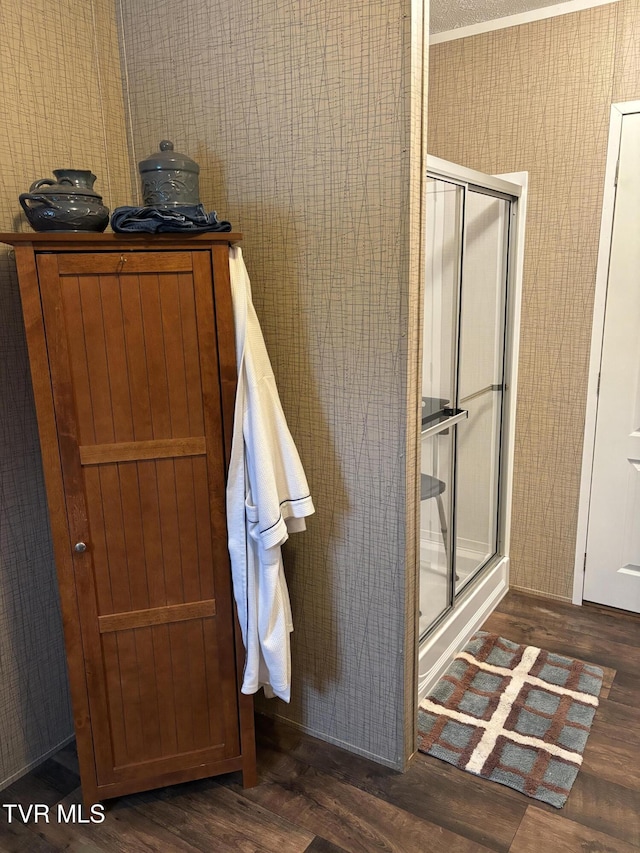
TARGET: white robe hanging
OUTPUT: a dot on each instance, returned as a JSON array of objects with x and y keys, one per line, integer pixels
[{"x": 267, "y": 498}]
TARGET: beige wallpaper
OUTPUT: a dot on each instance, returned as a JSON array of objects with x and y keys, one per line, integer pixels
[
  {"x": 537, "y": 97},
  {"x": 305, "y": 119},
  {"x": 60, "y": 106}
]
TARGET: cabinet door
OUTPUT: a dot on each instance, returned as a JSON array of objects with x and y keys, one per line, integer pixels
[{"x": 134, "y": 365}]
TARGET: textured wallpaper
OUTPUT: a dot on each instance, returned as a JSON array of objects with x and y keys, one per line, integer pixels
[
  {"x": 306, "y": 121},
  {"x": 60, "y": 106},
  {"x": 537, "y": 98},
  {"x": 300, "y": 116}
]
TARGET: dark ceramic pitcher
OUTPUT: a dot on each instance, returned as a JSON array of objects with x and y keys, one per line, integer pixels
[{"x": 67, "y": 204}]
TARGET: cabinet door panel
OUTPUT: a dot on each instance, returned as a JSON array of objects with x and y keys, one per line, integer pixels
[
  {"x": 150, "y": 533},
  {"x": 134, "y": 370},
  {"x": 159, "y": 687}
]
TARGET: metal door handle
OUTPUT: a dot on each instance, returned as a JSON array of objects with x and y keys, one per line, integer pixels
[
  {"x": 454, "y": 417},
  {"x": 481, "y": 392},
  {"x": 80, "y": 547}
]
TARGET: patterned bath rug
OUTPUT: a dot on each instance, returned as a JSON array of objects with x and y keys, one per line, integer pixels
[{"x": 514, "y": 714}]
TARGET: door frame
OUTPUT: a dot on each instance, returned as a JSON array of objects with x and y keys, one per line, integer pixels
[{"x": 618, "y": 111}]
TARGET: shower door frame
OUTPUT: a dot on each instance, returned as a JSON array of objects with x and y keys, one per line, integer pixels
[{"x": 481, "y": 596}]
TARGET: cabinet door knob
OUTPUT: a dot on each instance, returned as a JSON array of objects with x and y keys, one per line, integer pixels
[{"x": 80, "y": 547}]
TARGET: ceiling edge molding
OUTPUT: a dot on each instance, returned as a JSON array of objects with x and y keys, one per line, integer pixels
[{"x": 517, "y": 20}]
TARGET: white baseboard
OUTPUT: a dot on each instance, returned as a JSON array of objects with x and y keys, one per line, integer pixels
[{"x": 439, "y": 649}]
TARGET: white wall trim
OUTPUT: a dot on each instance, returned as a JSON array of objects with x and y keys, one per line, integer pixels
[
  {"x": 517, "y": 20},
  {"x": 516, "y": 275},
  {"x": 597, "y": 334},
  {"x": 461, "y": 174}
]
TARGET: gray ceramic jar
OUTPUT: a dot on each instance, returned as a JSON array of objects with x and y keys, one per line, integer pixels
[
  {"x": 67, "y": 204},
  {"x": 168, "y": 178}
]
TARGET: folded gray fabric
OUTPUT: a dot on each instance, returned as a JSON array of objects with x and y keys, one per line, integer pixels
[{"x": 162, "y": 220}]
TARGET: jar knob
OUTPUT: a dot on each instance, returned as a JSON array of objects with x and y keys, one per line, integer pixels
[{"x": 166, "y": 145}]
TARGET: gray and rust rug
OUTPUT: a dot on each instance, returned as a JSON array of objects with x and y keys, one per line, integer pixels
[{"x": 514, "y": 714}]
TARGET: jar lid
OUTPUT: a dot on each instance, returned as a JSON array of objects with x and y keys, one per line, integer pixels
[{"x": 167, "y": 158}]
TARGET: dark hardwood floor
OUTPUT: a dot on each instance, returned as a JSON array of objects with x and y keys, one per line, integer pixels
[{"x": 315, "y": 797}]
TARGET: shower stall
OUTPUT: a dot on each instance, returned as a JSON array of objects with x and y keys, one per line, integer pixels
[{"x": 474, "y": 241}]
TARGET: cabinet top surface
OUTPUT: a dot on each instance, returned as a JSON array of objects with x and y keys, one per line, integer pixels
[{"x": 60, "y": 240}]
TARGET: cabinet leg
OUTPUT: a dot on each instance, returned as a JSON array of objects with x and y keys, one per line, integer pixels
[
  {"x": 89, "y": 798},
  {"x": 249, "y": 775}
]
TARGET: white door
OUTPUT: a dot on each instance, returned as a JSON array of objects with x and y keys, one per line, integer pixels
[{"x": 612, "y": 566}]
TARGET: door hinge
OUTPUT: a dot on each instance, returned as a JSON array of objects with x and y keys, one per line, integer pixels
[
  {"x": 598, "y": 388},
  {"x": 584, "y": 562},
  {"x": 615, "y": 180}
]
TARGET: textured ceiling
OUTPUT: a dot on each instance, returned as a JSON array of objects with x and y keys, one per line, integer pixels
[{"x": 450, "y": 14}]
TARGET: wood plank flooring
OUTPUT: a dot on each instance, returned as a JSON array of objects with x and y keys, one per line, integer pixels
[{"x": 317, "y": 798}]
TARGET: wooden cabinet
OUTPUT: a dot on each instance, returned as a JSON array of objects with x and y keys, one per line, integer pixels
[{"x": 132, "y": 356}]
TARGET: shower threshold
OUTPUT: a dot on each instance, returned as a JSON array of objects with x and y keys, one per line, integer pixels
[{"x": 454, "y": 630}]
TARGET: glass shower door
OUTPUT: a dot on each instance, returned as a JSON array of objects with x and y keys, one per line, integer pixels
[
  {"x": 480, "y": 381},
  {"x": 462, "y": 388},
  {"x": 473, "y": 251},
  {"x": 439, "y": 390}
]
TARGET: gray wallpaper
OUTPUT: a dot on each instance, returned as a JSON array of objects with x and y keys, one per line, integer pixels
[
  {"x": 305, "y": 118},
  {"x": 34, "y": 704},
  {"x": 59, "y": 107},
  {"x": 307, "y": 122}
]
